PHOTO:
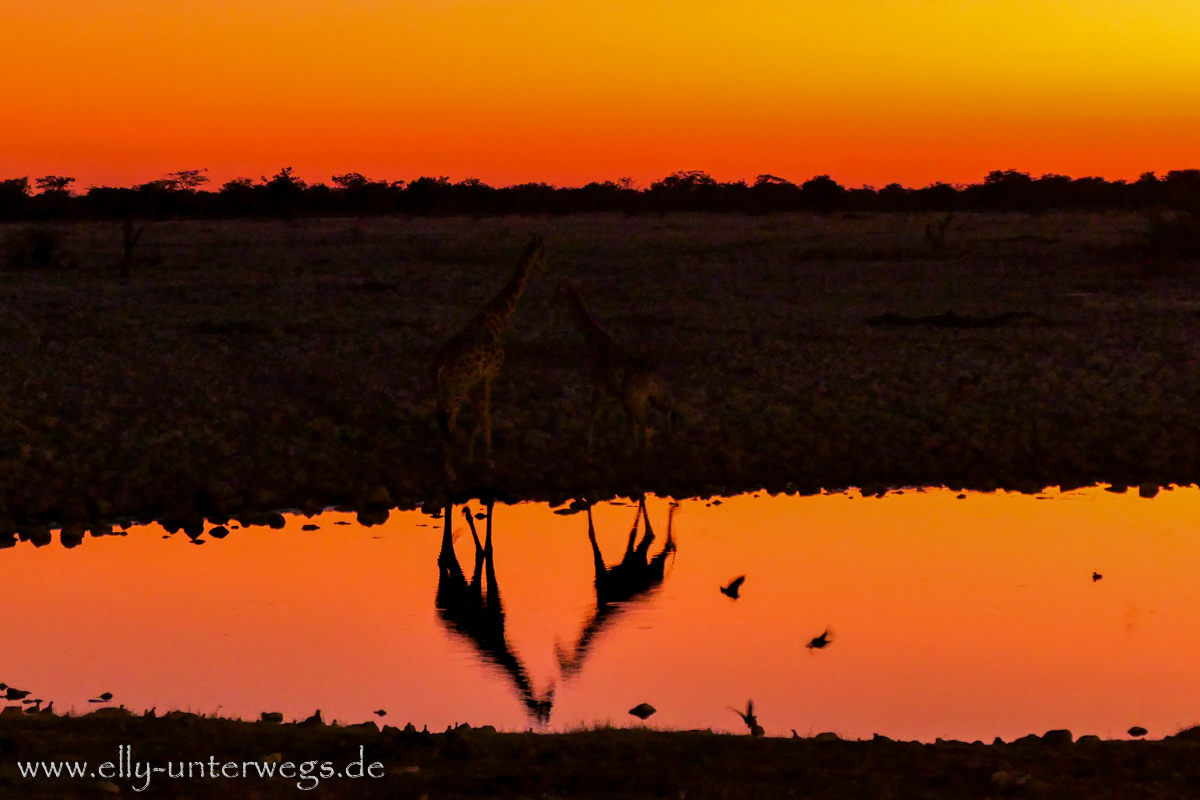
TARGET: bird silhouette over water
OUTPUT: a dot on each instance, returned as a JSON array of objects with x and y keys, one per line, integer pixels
[
  {"x": 750, "y": 719},
  {"x": 734, "y": 587},
  {"x": 820, "y": 642}
]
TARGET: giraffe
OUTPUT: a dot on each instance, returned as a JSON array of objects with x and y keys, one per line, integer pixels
[
  {"x": 636, "y": 576},
  {"x": 478, "y": 616},
  {"x": 473, "y": 358},
  {"x": 628, "y": 377}
]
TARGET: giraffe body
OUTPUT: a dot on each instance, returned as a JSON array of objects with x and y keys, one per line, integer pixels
[
  {"x": 471, "y": 361},
  {"x": 617, "y": 370}
]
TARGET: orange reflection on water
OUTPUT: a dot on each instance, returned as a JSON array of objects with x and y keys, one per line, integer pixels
[{"x": 955, "y": 618}]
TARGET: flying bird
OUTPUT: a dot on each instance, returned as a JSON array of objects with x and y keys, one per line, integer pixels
[
  {"x": 1096, "y": 576},
  {"x": 820, "y": 642},
  {"x": 381, "y": 713},
  {"x": 750, "y": 720},
  {"x": 643, "y": 711},
  {"x": 104, "y": 698},
  {"x": 734, "y": 587},
  {"x": 15, "y": 694}
]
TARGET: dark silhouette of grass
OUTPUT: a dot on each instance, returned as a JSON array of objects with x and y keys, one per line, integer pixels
[{"x": 469, "y": 762}]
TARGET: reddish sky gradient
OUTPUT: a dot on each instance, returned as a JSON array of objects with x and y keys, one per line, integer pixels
[{"x": 871, "y": 91}]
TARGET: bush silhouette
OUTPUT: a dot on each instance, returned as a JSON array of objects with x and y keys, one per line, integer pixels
[
  {"x": 13, "y": 196},
  {"x": 822, "y": 193},
  {"x": 182, "y": 194}
]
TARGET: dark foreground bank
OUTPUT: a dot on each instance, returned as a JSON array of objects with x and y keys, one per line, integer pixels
[{"x": 229, "y": 758}]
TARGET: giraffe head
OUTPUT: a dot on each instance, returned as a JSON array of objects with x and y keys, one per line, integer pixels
[
  {"x": 534, "y": 258},
  {"x": 564, "y": 294}
]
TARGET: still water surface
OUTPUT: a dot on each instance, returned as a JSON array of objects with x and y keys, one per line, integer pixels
[{"x": 962, "y": 619}]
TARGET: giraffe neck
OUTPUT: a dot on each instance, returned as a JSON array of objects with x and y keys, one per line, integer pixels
[
  {"x": 502, "y": 306},
  {"x": 590, "y": 329}
]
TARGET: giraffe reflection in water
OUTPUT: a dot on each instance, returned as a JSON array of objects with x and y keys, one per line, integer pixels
[
  {"x": 635, "y": 577},
  {"x": 476, "y": 614}
]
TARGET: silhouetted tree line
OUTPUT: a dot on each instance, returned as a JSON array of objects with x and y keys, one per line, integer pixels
[{"x": 284, "y": 195}]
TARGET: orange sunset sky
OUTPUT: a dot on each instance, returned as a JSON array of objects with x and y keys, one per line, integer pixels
[{"x": 120, "y": 92}]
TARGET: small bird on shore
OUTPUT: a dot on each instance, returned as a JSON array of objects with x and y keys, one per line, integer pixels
[
  {"x": 734, "y": 587},
  {"x": 48, "y": 709},
  {"x": 104, "y": 698},
  {"x": 1096, "y": 576},
  {"x": 820, "y": 642},
  {"x": 643, "y": 711},
  {"x": 315, "y": 719},
  {"x": 750, "y": 719}
]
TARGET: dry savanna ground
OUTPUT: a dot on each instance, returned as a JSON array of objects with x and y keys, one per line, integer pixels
[
  {"x": 249, "y": 366},
  {"x": 603, "y": 763}
]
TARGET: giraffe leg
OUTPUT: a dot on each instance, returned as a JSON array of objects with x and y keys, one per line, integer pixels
[
  {"x": 597, "y": 390},
  {"x": 639, "y": 429},
  {"x": 476, "y": 583},
  {"x": 475, "y": 426},
  {"x": 493, "y": 588},
  {"x": 597, "y": 559},
  {"x": 666, "y": 411},
  {"x": 647, "y": 538},
  {"x": 449, "y": 423},
  {"x": 629, "y": 547},
  {"x": 487, "y": 430}
]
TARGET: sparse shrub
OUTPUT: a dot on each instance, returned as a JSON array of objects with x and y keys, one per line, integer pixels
[{"x": 35, "y": 249}]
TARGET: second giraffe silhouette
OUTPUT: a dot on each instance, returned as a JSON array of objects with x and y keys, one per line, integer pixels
[
  {"x": 635, "y": 577},
  {"x": 628, "y": 377},
  {"x": 473, "y": 358}
]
